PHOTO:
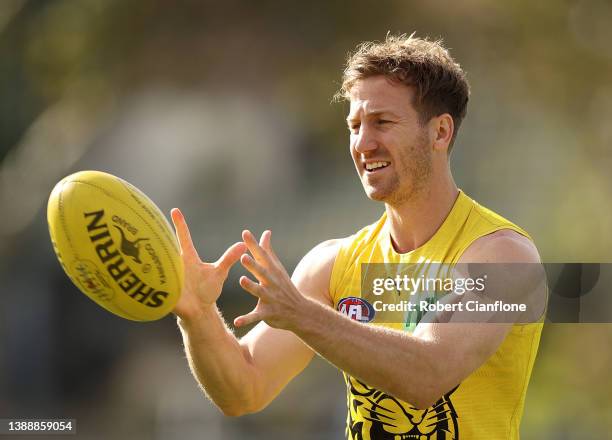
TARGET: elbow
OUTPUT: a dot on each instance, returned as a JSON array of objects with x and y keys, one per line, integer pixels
[
  {"x": 429, "y": 396},
  {"x": 246, "y": 402},
  {"x": 233, "y": 411},
  {"x": 425, "y": 402},
  {"x": 237, "y": 409},
  {"x": 433, "y": 387},
  {"x": 425, "y": 397}
]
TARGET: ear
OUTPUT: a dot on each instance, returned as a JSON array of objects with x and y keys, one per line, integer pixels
[{"x": 442, "y": 129}]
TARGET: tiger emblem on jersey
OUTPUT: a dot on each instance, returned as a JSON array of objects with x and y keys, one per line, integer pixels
[{"x": 389, "y": 418}]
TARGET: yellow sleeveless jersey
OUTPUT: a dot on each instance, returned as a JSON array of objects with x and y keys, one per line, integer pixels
[{"x": 488, "y": 404}]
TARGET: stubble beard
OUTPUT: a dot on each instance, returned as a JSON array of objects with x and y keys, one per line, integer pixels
[{"x": 415, "y": 165}]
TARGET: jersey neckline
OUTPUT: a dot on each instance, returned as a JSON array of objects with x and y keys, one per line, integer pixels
[{"x": 459, "y": 211}]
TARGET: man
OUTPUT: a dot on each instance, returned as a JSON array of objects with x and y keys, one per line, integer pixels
[{"x": 413, "y": 380}]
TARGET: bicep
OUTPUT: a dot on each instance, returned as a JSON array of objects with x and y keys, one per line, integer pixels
[
  {"x": 466, "y": 341},
  {"x": 461, "y": 348}
]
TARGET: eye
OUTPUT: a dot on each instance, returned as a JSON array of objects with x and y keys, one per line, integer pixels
[
  {"x": 354, "y": 128},
  {"x": 383, "y": 122}
]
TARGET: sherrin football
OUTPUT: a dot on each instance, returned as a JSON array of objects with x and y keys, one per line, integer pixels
[{"x": 115, "y": 245}]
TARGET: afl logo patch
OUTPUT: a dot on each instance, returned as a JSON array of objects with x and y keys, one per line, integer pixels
[{"x": 357, "y": 309}]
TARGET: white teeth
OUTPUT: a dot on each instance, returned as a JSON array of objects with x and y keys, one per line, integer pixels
[{"x": 376, "y": 165}]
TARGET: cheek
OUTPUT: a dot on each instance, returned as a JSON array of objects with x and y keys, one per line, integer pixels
[
  {"x": 356, "y": 163},
  {"x": 352, "y": 143},
  {"x": 353, "y": 152}
]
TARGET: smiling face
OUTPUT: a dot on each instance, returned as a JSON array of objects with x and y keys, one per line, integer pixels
[{"x": 392, "y": 151}]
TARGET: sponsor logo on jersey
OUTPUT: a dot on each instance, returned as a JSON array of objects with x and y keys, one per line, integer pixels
[{"x": 356, "y": 308}]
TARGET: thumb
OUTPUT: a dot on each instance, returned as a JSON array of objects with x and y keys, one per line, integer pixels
[
  {"x": 230, "y": 256},
  {"x": 250, "y": 318}
]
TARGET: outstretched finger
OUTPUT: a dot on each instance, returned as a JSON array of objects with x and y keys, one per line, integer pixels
[
  {"x": 188, "y": 250},
  {"x": 254, "y": 267},
  {"x": 230, "y": 256},
  {"x": 252, "y": 287},
  {"x": 254, "y": 248},
  {"x": 266, "y": 243},
  {"x": 249, "y": 318}
]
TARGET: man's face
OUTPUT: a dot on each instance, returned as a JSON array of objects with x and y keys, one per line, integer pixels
[{"x": 391, "y": 150}]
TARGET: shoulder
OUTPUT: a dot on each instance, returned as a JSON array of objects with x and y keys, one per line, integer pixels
[
  {"x": 320, "y": 258},
  {"x": 513, "y": 271},
  {"x": 502, "y": 246},
  {"x": 313, "y": 272}
]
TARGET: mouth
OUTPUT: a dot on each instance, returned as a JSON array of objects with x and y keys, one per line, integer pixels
[{"x": 374, "y": 167}]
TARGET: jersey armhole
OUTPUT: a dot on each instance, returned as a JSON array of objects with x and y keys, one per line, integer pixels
[
  {"x": 338, "y": 269},
  {"x": 495, "y": 228},
  {"x": 516, "y": 327}
]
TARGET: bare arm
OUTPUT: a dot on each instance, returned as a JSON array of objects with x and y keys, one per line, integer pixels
[
  {"x": 241, "y": 376},
  {"x": 279, "y": 355},
  {"x": 438, "y": 356}
]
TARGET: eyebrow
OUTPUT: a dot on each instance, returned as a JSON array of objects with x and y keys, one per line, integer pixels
[{"x": 350, "y": 119}]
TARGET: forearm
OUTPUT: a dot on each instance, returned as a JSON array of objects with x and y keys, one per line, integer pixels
[
  {"x": 218, "y": 362},
  {"x": 396, "y": 362}
]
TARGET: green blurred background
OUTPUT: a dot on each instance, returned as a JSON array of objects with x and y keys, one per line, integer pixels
[{"x": 224, "y": 109}]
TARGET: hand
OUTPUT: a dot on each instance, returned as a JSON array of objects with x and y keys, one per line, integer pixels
[
  {"x": 279, "y": 302},
  {"x": 202, "y": 282}
]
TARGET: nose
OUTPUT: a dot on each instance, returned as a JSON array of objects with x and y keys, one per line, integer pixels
[{"x": 364, "y": 141}]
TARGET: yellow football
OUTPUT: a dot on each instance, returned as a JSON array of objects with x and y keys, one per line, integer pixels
[{"x": 115, "y": 245}]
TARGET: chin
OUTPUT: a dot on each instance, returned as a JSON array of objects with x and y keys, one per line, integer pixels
[
  {"x": 393, "y": 198},
  {"x": 377, "y": 195},
  {"x": 381, "y": 191}
]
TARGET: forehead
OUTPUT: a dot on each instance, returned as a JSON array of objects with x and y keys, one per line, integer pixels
[{"x": 379, "y": 94}]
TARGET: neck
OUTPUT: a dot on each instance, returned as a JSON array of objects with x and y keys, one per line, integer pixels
[{"x": 415, "y": 221}]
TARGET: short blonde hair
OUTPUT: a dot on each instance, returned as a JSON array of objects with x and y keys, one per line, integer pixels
[{"x": 439, "y": 82}]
